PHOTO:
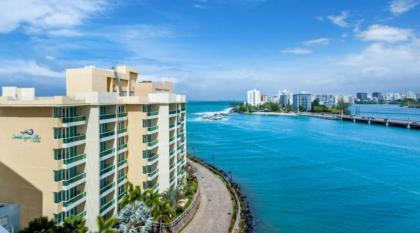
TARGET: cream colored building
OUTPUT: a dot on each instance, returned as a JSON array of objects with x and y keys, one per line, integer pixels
[{"x": 74, "y": 154}]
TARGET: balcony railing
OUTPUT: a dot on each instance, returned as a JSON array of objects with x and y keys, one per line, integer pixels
[
  {"x": 74, "y": 199},
  {"x": 152, "y": 143},
  {"x": 74, "y": 179},
  {"x": 172, "y": 139},
  {"x": 122, "y": 130},
  {"x": 107, "y": 205},
  {"x": 121, "y": 147},
  {"x": 107, "y": 169},
  {"x": 122, "y": 114},
  {"x": 172, "y": 112},
  {"x": 152, "y": 128},
  {"x": 73, "y": 119},
  {"x": 107, "y": 134},
  {"x": 152, "y": 157},
  {"x": 171, "y": 126},
  {"x": 153, "y": 173},
  {"x": 122, "y": 178},
  {"x": 74, "y": 159},
  {"x": 107, "y": 187},
  {"x": 154, "y": 113},
  {"x": 121, "y": 195},
  {"x": 122, "y": 162},
  {"x": 171, "y": 153},
  {"x": 172, "y": 166},
  {"x": 107, "y": 116},
  {"x": 107, "y": 152},
  {"x": 74, "y": 138}
]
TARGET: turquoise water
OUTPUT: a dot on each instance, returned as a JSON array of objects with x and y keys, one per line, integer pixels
[
  {"x": 387, "y": 111},
  {"x": 312, "y": 175}
]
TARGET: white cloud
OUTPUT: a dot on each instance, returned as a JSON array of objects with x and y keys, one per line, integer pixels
[
  {"x": 319, "y": 41},
  {"x": 385, "y": 33},
  {"x": 38, "y": 15},
  {"x": 398, "y": 7},
  {"x": 297, "y": 51},
  {"x": 13, "y": 67},
  {"x": 340, "y": 20}
]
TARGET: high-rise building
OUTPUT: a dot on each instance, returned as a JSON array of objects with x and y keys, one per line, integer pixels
[
  {"x": 325, "y": 99},
  {"x": 377, "y": 96},
  {"x": 254, "y": 97},
  {"x": 418, "y": 96},
  {"x": 284, "y": 98},
  {"x": 362, "y": 96},
  {"x": 410, "y": 95},
  {"x": 74, "y": 154},
  {"x": 302, "y": 101}
]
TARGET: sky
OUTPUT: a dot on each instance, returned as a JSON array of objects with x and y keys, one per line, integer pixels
[{"x": 216, "y": 49}]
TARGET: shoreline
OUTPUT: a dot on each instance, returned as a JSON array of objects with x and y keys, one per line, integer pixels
[{"x": 243, "y": 221}]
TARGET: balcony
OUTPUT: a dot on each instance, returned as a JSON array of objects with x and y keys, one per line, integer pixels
[
  {"x": 121, "y": 195},
  {"x": 172, "y": 113},
  {"x": 171, "y": 139},
  {"x": 107, "y": 134},
  {"x": 74, "y": 159},
  {"x": 171, "y": 127},
  {"x": 151, "y": 159},
  {"x": 152, "y": 174},
  {"x": 172, "y": 179},
  {"x": 152, "y": 129},
  {"x": 172, "y": 153},
  {"x": 107, "y": 169},
  {"x": 74, "y": 119},
  {"x": 153, "y": 144},
  {"x": 122, "y": 163},
  {"x": 106, "y": 206},
  {"x": 171, "y": 167},
  {"x": 107, "y": 152},
  {"x": 75, "y": 138},
  {"x": 122, "y": 114},
  {"x": 74, "y": 199},
  {"x": 121, "y": 131},
  {"x": 107, "y": 116},
  {"x": 152, "y": 115},
  {"x": 107, "y": 187},
  {"x": 122, "y": 179},
  {"x": 122, "y": 147},
  {"x": 74, "y": 179}
]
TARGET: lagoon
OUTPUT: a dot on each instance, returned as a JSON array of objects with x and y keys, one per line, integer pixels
[{"x": 304, "y": 174}]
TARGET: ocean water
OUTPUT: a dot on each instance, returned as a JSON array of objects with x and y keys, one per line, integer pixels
[
  {"x": 312, "y": 175},
  {"x": 387, "y": 111}
]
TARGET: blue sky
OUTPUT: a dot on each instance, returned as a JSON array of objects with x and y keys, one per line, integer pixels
[{"x": 217, "y": 49}]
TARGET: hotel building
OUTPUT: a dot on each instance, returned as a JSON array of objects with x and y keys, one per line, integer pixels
[{"x": 74, "y": 154}]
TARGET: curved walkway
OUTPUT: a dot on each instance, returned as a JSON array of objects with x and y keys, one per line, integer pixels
[{"x": 215, "y": 211}]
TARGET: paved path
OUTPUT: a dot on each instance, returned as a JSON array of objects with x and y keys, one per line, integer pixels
[{"x": 215, "y": 211}]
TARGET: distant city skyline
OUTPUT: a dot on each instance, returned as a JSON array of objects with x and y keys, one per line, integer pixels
[{"x": 217, "y": 50}]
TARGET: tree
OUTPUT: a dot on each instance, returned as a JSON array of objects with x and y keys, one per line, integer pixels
[
  {"x": 162, "y": 212},
  {"x": 133, "y": 194},
  {"x": 150, "y": 198},
  {"x": 106, "y": 225},
  {"x": 40, "y": 225},
  {"x": 134, "y": 217},
  {"x": 343, "y": 107},
  {"x": 73, "y": 224}
]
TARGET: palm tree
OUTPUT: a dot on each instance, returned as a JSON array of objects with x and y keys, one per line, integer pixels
[
  {"x": 73, "y": 224},
  {"x": 106, "y": 225},
  {"x": 163, "y": 213},
  {"x": 151, "y": 198},
  {"x": 133, "y": 194},
  {"x": 41, "y": 224}
]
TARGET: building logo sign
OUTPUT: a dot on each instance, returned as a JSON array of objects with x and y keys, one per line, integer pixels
[{"x": 27, "y": 135}]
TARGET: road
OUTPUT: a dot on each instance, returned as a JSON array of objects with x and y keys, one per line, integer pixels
[{"x": 215, "y": 211}]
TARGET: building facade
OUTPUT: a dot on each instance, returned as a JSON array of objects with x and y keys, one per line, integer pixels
[
  {"x": 362, "y": 96},
  {"x": 74, "y": 154},
  {"x": 284, "y": 98},
  {"x": 254, "y": 97},
  {"x": 302, "y": 102}
]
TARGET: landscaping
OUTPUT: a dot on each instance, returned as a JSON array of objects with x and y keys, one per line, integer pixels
[{"x": 140, "y": 212}]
